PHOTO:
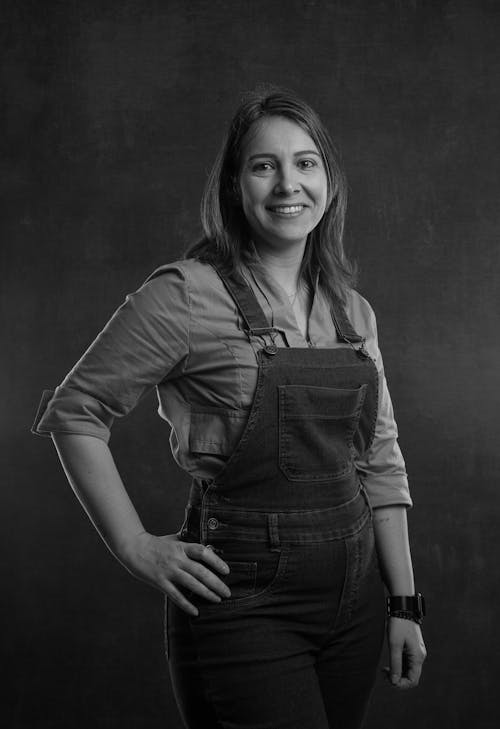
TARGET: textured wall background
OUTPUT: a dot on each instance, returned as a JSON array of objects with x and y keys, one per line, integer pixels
[{"x": 112, "y": 114}]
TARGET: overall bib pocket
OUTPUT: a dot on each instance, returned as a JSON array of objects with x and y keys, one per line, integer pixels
[{"x": 316, "y": 430}]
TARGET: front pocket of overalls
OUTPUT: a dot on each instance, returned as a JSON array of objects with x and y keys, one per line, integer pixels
[
  {"x": 249, "y": 582},
  {"x": 316, "y": 430},
  {"x": 241, "y": 578}
]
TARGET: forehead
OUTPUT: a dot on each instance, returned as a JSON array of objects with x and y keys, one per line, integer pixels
[{"x": 277, "y": 135}]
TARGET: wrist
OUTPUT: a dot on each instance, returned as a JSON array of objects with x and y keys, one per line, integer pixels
[
  {"x": 407, "y": 607},
  {"x": 127, "y": 548}
]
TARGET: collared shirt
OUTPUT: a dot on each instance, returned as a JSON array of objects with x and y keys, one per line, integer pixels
[{"x": 182, "y": 333}]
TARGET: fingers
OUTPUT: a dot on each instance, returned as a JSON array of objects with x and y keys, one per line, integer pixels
[
  {"x": 188, "y": 582},
  {"x": 172, "y": 566},
  {"x": 399, "y": 682},
  {"x": 206, "y": 554},
  {"x": 178, "y": 598},
  {"x": 196, "y": 581},
  {"x": 205, "y": 576},
  {"x": 413, "y": 658},
  {"x": 187, "y": 573},
  {"x": 402, "y": 682},
  {"x": 414, "y": 671},
  {"x": 407, "y": 655},
  {"x": 208, "y": 581},
  {"x": 396, "y": 658}
]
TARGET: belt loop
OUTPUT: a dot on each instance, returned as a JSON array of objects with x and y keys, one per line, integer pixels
[
  {"x": 205, "y": 507},
  {"x": 273, "y": 531}
]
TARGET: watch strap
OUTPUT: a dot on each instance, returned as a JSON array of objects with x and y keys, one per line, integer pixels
[{"x": 408, "y": 607}]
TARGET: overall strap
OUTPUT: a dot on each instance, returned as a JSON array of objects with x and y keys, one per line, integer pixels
[
  {"x": 343, "y": 326},
  {"x": 243, "y": 296},
  {"x": 256, "y": 321}
]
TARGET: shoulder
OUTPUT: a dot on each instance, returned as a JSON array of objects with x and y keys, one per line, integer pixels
[
  {"x": 191, "y": 272},
  {"x": 361, "y": 314},
  {"x": 164, "y": 293},
  {"x": 175, "y": 279},
  {"x": 180, "y": 288}
]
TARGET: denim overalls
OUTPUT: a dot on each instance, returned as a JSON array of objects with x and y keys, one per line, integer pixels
[{"x": 297, "y": 644}]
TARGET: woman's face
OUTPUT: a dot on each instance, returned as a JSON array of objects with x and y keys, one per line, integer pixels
[{"x": 283, "y": 183}]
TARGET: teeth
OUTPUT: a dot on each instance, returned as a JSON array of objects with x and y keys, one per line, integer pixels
[{"x": 288, "y": 209}]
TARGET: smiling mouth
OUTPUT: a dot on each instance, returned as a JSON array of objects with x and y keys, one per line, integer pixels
[{"x": 287, "y": 210}]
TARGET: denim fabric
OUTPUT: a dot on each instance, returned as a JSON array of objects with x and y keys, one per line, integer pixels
[
  {"x": 297, "y": 643},
  {"x": 315, "y": 444}
]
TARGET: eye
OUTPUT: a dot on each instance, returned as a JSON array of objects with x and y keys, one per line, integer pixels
[
  {"x": 307, "y": 164},
  {"x": 262, "y": 167}
]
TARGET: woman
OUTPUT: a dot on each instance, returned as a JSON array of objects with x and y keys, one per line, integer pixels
[{"x": 268, "y": 369}]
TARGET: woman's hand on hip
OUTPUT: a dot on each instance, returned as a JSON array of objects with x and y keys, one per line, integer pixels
[
  {"x": 407, "y": 653},
  {"x": 171, "y": 566}
]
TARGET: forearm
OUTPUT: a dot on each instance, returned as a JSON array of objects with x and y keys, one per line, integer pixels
[
  {"x": 92, "y": 473},
  {"x": 393, "y": 548}
]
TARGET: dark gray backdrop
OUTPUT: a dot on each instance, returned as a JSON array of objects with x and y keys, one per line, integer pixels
[{"x": 113, "y": 112}]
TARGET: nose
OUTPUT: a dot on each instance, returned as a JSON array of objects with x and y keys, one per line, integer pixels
[{"x": 286, "y": 184}]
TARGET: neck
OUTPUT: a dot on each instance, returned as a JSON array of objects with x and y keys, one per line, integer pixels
[{"x": 283, "y": 265}]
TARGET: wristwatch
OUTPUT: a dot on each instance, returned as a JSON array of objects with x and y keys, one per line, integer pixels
[{"x": 408, "y": 607}]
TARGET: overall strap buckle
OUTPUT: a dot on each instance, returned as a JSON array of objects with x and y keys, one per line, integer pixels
[
  {"x": 345, "y": 331},
  {"x": 254, "y": 320}
]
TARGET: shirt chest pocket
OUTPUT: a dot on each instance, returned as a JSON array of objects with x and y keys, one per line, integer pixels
[
  {"x": 316, "y": 430},
  {"x": 215, "y": 431}
]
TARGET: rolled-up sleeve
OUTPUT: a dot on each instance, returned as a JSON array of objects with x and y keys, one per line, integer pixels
[
  {"x": 382, "y": 468},
  {"x": 144, "y": 342}
]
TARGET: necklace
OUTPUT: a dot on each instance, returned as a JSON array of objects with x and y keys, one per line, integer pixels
[
  {"x": 293, "y": 296},
  {"x": 301, "y": 288}
]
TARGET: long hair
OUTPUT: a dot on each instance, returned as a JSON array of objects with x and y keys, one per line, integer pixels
[{"x": 227, "y": 233}]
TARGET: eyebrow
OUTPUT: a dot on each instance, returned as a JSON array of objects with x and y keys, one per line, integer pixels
[{"x": 274, "y": 156}]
